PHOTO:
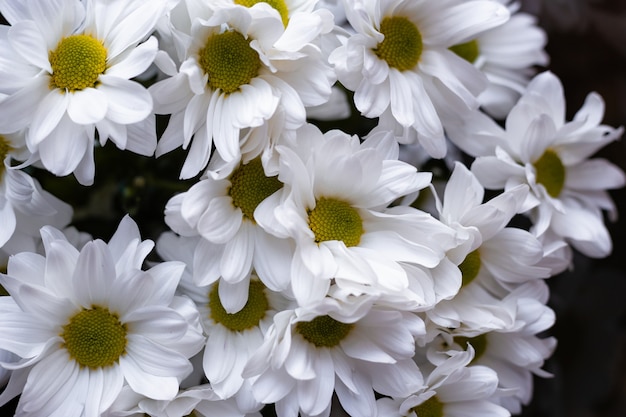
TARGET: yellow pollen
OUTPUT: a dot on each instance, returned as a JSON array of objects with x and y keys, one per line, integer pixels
[
  {"x": 324, "y": 331},
  {"x": 402, "y": 45},
  {"x": 550, "y": 172},
  {"x": 249, "y": 316},
  {"x": 279, "y": 5},
  {"x": 77, "y": 62},
  {"x": 335, "y": 220},
  {"x": 95, "y": 337},
  {"x": 250, "y": 186},
  {"x": 468, "y": 51},
  {"x": 470, "y": 267},
  {"x": 432, "y": 407},
  {"x": 229, "y": 61}
]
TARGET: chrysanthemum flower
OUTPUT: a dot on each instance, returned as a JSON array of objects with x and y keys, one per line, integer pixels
[
  {"x": 539, "y": 148},
  {"x": 398, "y": 62},
  {"x": 67, "y": 70},
  {"x": 85, "y": 323},
  {"x": 221, "y": 210},
  {"x": 350, "y": 347},
  {"x": 334, "y": 205},
  {"x": 452, "y": 389},
  {"x": 241, "y": 67}
]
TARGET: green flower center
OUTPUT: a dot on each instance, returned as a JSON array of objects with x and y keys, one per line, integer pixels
[
  {"x": 77, "y": 62},
  {"x": 250, "y": 186},
  {"x": 479, "y": 343},
  {"x": 229, "y": 61},
  {"x": 335, "y": 220},
  {"x": 550, "y": 172},
  {"x": 249, "y": 316},
  {"x": 432, "y": 407},
  {"x": 5, "y": 148},
  {"x": 402, "y": 46},
  {"x": 95, "y": 338},
  {"x": 470, "y": 267},
  {"x": 279, "y": 5},
  {"x": 324, "y": 331},
  {"x": 468, "y": 51}
]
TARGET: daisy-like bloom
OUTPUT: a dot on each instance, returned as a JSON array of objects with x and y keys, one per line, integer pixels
[
  {"x": 506, "y": 54},
  {"x": 197, "y": 401},
  {"x": 515, "y": 353},
  {"x": 452, "y": 389},
  {"x": 568, "y": 188},
  {"x": 242, "y": 66},
  {"x": 334, "y": 205},
  {"x": 221, "y": 209},
  {"x": 66, "y": 67},
  {"x": 399, "y": 64},
  {"x": 231, "y": 337},
  {"x": 350, "y": 347},
  {"x": 85, "y": 323}
]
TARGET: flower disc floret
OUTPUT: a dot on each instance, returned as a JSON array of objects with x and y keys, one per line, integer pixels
[
  {"x": 479, "y": 343},
  {"x": 469, "y": 51},
  {"x": 229, "y": 61},
  {"x": 77, "y": 62},
  {"x": 250, "y": 186},
  {"x": 470, "y": 267},
  {"x": 402, "y": 46},
  {"x": 95, "y": 337},
  {"x": 333, "y": 219},
  {"x": 432, "y": 407},
  {"x": 550, "y": 172},
  {"x": 249, "y": 316},
  {"x": 324, "y": 331},
  {"x": 279, "y": 5}
]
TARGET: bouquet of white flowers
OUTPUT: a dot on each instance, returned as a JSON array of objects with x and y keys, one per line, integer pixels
[{"x": 354, "y": 206}]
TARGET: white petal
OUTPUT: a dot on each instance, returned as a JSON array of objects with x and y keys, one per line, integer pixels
[
  {"x": 95, "y": 271},
  {"x": 27, "y": 40},
  {"x": 87, "y": 106},
  {"x": 136, "y": 62},
  {"x": 48, "y": 115},
  {"x": 129, "y": 101}
]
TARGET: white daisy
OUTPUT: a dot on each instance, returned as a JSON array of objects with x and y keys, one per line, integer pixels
[
  {"x": 350, "y": 347},
  {"x": 452, "y": 389},
  {"x": 85, "y": 323},
  {"x": 231, "y": 337},
  {"x": 398, "y": 62},
  {"x": 241, "y": 67},
  {"x": 334, "y": 205},
  {"x": 68, "y": 71},
  {"x": 220, "y": 208},
  {"x": 539, "y": 148}
]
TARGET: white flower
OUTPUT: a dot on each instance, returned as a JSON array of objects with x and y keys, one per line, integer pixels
[
  {"x": 452, "y": 389},
  {"x": 70, "y": 76},
  {"x": 221, "y": 208},
  {"x": 231, "y": 337},
  {"x": 334, "y": 205},
  {"x": 85, "y": 323},
  {"x": 350, "y": 347},
  {"x": 399, "y": 65},
  {"x": 539, "y": 148},
  {"x": 240, "y": 69}
]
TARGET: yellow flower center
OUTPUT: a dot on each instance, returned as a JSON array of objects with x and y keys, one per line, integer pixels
[
  {"x": 249, "y": 316},
  {"x": 335, "y": 220},
  {"x": 229, "y": 61},
  {"x": 432, "y": 407},
  {"x": 250, "y": 186},
  {"x": 479, "y": 343},
  {"x": 77, "y": 62},
  {"x": 550, "y": 172},
  {"x": 324, "y": 331},
  {"x": 279, "y": 5},
  {"x": 95, "y": 338},
  {"x": 402, "y": 46},
  {"x": 5, "y": 148},
  {"x": 470, "y": 267},
  {"x": 468, "y": 51}
]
